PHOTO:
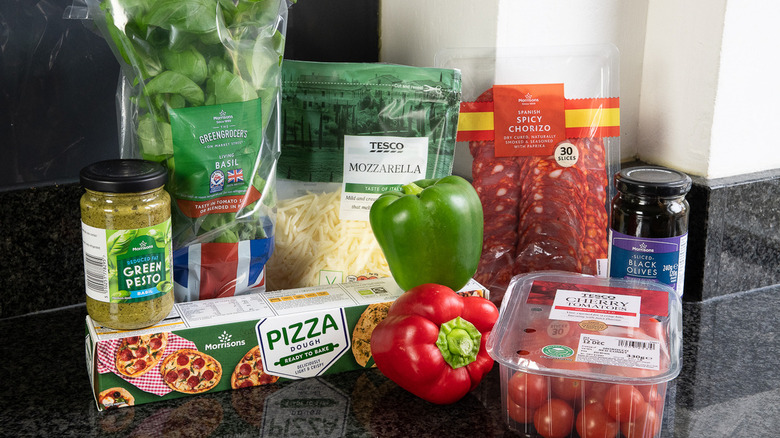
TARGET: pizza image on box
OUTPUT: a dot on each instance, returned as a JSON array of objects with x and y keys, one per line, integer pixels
[
  {"x": 116, "y": 398},
  {"x": 138, "y": 354},
  {"x": 190, "y": 371},
  {"x": 249, "y": 371},
  {"x": 361, "y": 334}
]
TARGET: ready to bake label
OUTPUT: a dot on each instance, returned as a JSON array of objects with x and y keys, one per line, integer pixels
[
  {"x": 612, "y": 309},
  {"x": 377, "y": 164},
  {"x": 528, "y": 119},
  {"x": 304, "y": 344},
  {"x": 618, "y": 351}
]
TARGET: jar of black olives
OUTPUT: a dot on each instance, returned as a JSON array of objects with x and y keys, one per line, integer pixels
[{"x": 649, "y": 227}]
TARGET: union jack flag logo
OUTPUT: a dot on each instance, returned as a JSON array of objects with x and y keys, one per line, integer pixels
[{"x": 235, "y": 176}]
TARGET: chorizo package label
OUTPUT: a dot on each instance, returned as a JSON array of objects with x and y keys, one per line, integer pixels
[{"x": 529, "y": 119}]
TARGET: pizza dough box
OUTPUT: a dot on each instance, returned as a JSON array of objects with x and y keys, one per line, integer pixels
[{"x": 244, "y": 340}]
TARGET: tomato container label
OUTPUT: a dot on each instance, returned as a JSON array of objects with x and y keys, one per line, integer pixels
[
  {"x": 613, "y": 309},
  {"x": 620, "y": 351},
  {"x": 544, "y": 293}
]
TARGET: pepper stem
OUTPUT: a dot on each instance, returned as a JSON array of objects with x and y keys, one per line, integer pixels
[
  {"x": 411, "y": 189},
  {"x": 459, "y": 342}
]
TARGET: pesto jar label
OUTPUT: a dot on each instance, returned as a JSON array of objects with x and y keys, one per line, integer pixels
[{"x": 126, "y": 266}]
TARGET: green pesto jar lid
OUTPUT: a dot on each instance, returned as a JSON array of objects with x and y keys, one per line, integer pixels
[{"x": 123, "y": 176}]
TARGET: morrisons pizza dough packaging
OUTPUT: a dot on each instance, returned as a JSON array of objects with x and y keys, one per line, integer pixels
[{"x": 241, "y": 341}]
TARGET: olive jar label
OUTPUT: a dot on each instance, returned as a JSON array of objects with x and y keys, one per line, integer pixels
[{"x": 646, "y": 258}]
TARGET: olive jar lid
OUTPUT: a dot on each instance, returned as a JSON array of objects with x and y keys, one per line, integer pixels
[
  {"x": 123, "y": 176},
  {"x": 652, "y": 181}
]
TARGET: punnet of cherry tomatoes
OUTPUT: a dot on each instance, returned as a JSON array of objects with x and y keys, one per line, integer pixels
[{"x": 583, "y": 356}]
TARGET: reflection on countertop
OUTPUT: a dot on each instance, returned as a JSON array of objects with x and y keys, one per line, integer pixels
[{"x": 729, "y": 387}]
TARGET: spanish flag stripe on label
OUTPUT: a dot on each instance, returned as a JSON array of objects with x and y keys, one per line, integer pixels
[
  {"x": 584, "y": 118},
  {"x": 475, "y": 121},
  {"x": 593, "y": 132},
  {"x": 579, "y": 118}
]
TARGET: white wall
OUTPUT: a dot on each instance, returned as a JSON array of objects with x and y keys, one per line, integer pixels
[
  {"x": 697, "y": 76},
  {"x": 710, "y": 78},
  {"x": 745, "y": 122},
  {"x": 413, "y": 31},
  {"x": 681, "y": 65}
]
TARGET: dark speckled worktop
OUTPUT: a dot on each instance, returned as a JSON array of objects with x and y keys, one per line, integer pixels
[{"x": 729, "y": 387}]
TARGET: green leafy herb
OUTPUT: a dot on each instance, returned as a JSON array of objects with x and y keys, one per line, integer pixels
[{"x": 189, "y": 53}]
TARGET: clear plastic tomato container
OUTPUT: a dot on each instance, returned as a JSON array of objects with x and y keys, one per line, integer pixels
[{"x": 584, "y": 356}]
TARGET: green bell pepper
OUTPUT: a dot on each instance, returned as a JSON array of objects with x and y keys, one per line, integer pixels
[{"x": 430, "y": 232}]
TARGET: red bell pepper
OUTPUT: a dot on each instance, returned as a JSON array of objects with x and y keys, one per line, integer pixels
[{"x": 432, "y": 342}]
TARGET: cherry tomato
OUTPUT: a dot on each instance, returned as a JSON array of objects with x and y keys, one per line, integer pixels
[
  {"x": 521, "y": 414},
  {"x": 654, "y": 394},
  {"x": 554, "y": 419},
  {"x": 646, "y": 425},
  {"x": 569, "y": 389},
  {"x": 624, "y": 402},
  {"x": 529, "y": 390},
  {"x": 595, "y": 393},
  {"x": 593, "y": 421}
]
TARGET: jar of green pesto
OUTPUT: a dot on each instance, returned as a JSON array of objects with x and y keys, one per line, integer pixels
[{"x": 126, "y": 233}]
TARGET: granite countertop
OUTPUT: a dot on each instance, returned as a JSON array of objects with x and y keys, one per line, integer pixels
[{"x": 729, "y": 387}]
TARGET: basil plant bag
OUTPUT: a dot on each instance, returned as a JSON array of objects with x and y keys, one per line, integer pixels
[
  {"x": 350, "y": 132},
  {"x": 200, "y": 93}
]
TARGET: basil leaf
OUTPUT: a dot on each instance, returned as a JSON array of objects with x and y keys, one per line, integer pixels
[
  {"x": 171, "y": 82},
  {"x": 190, "y": 63},
  {"x": 225, "y": 87},
  {"x": 194, "y": 16}
]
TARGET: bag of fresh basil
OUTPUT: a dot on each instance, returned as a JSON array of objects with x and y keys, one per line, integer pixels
[
  {"x": 200, "y": 93},
  {"x": 350, "y": 132}
]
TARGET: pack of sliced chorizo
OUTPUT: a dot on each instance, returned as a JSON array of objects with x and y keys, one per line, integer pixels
[{"x": 541, "y": 129}]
